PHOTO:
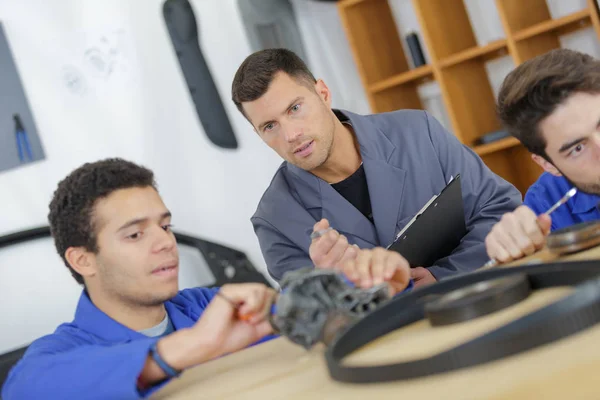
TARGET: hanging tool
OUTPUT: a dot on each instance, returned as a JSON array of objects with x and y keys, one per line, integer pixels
[{"x": 23, "y": 145}]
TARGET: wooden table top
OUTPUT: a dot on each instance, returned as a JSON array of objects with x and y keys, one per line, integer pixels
[{"x": 280, "y": 369}]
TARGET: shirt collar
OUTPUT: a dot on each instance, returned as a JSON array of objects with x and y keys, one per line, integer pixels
[
  {"x": 584, "y": 202},
  {"x": 91, "y": 319}
]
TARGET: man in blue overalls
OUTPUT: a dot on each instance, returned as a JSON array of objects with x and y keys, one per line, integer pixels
[
  {"x": 133, "y": 329},
  {"x": 551, "y": 103}
]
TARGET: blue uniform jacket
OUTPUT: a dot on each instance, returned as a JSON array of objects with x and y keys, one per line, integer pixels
[
  {"x": 548, "y": 189},
  {"x": 95, "y": 357}
]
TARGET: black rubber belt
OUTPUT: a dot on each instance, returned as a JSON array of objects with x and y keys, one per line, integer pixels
[{"x": 567, "y": 316}]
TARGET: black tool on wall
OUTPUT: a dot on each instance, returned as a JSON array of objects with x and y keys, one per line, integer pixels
[
  {"x": 183, "y": 30},
  {"x": 23, "y": 146},
  {"x": 271, "y": 24}
]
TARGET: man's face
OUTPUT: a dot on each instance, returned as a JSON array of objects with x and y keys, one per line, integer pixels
[
  {"x": 572, "y": 134},
  {"x": 294, "y": 120},
  {"x": 137, "y": 261}
]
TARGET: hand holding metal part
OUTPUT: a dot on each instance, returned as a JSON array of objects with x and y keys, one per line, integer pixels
[{"x": 315, "y": 305}]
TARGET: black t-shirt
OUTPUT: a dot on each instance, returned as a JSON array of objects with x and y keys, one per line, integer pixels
[{"x": 354, "y": 189}]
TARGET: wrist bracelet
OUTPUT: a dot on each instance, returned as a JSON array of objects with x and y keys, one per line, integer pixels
[{"x": 170, "y": 371}]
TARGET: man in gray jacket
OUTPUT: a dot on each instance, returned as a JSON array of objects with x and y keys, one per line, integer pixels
[{"x": 366, "y": 176}]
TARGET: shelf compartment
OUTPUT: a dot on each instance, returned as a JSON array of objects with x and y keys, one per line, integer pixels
[
  {"x": 526, "y": 170},
  {"x": 492, "y": 50},
  {"x": 395, "y": 98},
  {"x": 350, "y": 3},
  {"x": 522, "y": 14},
  {"x": 372, "y": 33},
  {"x": 502, "y": 144},
  {"x": 422, "y": 73},
  {"x": 449, "y": 34},
  {"x": 563, "y": 25},
  {"x": 472, "y": 106}
]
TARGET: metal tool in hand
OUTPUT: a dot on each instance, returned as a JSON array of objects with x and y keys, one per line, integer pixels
[
  {"x": 493, "y": 262},
  {"x": 236, "y": 307},
  {"x": 317, "y": 234}
]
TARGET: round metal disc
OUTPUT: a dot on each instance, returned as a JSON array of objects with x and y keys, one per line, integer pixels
[
  {"x": 574, "y": 238},
  {"x": 476, "y": 300}
]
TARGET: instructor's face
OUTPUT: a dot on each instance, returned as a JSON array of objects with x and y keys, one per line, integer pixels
[{"x": 295, "y": 119}]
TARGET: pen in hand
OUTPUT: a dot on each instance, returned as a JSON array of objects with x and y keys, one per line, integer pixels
[
  {"x": 317, "y": 234},
  {"x": 493, "y": 262}
]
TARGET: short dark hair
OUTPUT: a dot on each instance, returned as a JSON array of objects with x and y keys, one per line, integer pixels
[
  {"x": 72, "y": 207},
  {"x": 533, "y": 90},
  {"x": 256, "y": 73}
]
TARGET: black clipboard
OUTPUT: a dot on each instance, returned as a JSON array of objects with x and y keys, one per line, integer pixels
[{"x": 436, "y": 230}]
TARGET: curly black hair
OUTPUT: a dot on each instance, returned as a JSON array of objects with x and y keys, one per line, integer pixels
[{"x": 72, "y": 206}]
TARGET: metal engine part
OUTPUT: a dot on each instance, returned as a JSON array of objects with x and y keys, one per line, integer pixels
[{"x": 315, "y": 305}]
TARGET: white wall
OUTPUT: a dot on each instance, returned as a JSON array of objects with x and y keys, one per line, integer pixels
[
  {"x": 88, "y": 120},
  {"x": 139, "y": 111},
  {"x": 134, "y": 104},
  {"x": 37, "y": 292}
]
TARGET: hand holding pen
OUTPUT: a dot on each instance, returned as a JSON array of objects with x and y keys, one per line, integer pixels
[
  {"x": 520, "y": 233},
  {"x": 329, "y": 249}
]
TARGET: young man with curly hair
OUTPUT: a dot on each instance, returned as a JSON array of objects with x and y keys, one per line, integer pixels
[{"x": 133, "y": 329}]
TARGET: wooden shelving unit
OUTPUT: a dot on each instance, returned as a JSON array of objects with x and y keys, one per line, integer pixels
[
  {"x": 499, "y": 145},
  {"x": 576, "y": 20},
  {"x": 424, "y": 72},
  {"x": 457, "y": 64}
]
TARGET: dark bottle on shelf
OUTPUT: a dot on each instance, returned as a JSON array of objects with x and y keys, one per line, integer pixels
[{"x": 416, "y": 52}]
